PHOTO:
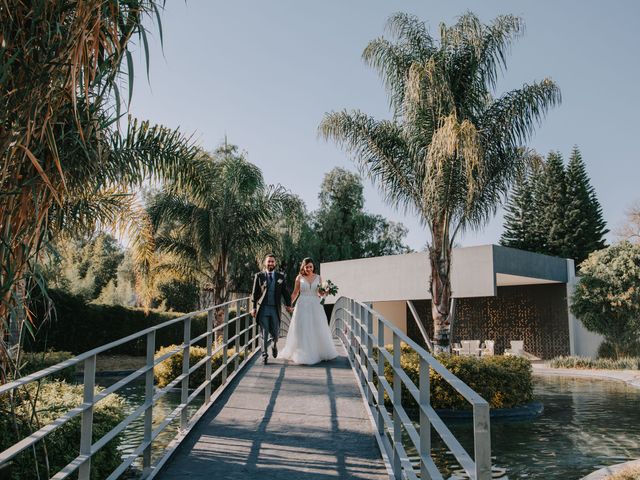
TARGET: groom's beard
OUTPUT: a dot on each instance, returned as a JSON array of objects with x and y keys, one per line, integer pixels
[{"x": 270, "y": 269}]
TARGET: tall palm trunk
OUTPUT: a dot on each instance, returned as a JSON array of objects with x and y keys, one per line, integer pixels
[{"x": 440, "y": 286}]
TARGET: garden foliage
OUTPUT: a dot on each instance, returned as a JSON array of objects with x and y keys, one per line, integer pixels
[
  {"x": 166, "y": 371},
  {"x": 504, "y": 382},
  {"x": 607, "y": 296},
  {"x": 63, "y": 444}
]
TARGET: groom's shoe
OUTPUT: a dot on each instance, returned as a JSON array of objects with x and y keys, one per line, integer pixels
[
  {"x": 264, "y": 360},
  {"x": 274, "y": 352}
]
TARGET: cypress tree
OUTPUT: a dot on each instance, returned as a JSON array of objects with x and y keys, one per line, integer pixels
[
  {"x": 555, "y": 211},
  {"x": 585, "y": 224},
  {"x": 551, "y": 205},
  {"x": 519, "y": 218}
]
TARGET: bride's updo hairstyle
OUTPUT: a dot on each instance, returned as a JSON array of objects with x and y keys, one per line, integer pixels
[{"x": 306, "y": 262}]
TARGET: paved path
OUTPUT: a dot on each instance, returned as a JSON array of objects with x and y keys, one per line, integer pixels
[
  {"x": 283, "y": 421},
  {"x": 630, "y": 377}
]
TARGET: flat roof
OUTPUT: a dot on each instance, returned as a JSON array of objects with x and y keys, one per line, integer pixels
[{"x": 475, "y": 272}]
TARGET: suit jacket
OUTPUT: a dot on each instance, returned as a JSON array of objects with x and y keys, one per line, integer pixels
[{"x": 259, "y": 291}]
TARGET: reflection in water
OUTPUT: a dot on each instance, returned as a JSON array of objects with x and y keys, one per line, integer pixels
[
  {"x": 134, "y": 433},
  {"x": 586, "y": 424}
]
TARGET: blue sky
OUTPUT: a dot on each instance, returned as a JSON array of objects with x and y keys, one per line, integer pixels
[{"x": 265, "y": 72}]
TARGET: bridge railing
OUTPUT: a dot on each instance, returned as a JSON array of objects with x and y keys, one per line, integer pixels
[
  {"x": 355, "y": 323},
  {"x": 245, "y": 345}
]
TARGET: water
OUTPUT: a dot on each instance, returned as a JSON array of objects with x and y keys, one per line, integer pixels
[
  {"x": 586, "y": 425},
  {"x": 132, "y": 436}
]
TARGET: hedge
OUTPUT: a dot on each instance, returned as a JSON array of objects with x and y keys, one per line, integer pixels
[
  {"x": 504, "y": 382},
  {"x": 169, "y": 369},
  {"x": 34, "y": 361},
  {"x": 63, "y": 444},
  {"x": 77, "y": 326}
]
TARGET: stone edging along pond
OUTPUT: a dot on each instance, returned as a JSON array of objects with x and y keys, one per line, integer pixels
[{"x": 630, "y": 377}]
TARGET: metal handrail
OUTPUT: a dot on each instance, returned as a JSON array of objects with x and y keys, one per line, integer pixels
[
  {"x": 88, "y": 448},
  {"x": 353, "y": 322}
]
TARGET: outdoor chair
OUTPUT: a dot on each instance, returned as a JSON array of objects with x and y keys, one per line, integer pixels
[
  {"x": 517, "y": 348},
  {"x": 487, "y": 349},
  {"x": 470, "y": 347}
]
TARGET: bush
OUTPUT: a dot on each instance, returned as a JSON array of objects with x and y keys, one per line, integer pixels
[
  {"x": 607, "y": 350},
  {"x": 607, "y": 295},
  {"x": 63, "y": 444},
  {"x": 622, "y": 363},
  {"x": 77, "y": 326},
  {"x": 35, "y": 361},
  {"x": 504, "y": 382},
  {"x": 166, "y": 371}
]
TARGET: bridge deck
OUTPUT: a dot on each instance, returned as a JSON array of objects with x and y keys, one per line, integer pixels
[{"x": 283, "y": 421}]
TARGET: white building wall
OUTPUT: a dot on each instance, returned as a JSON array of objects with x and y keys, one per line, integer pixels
[
  {"x": 582, "y": 342},
  {"x": 395, "y": 312},
  {"x": 406, "y": 277}
]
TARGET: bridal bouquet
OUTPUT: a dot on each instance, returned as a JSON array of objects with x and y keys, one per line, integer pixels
[{"x": 327, "y": 288}]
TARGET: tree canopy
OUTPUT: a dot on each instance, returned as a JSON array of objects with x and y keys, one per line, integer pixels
[
  {"x": 453, "y": 147},
  {"x": 554, "y": 210},
  {"x": 607, "y": 296}
]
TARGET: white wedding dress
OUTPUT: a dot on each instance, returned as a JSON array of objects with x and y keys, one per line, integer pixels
[{"x": 309, "y": 339}]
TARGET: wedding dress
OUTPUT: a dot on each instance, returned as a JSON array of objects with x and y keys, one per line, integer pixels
[{"x": 309, "y": 339}]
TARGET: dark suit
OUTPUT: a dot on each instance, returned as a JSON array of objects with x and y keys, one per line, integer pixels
[{"x": 268, "y": 306}]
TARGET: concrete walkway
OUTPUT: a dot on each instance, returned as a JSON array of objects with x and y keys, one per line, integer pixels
[
  {"x": 283, "y": 421},
  {"x": 630, "y": 377}
]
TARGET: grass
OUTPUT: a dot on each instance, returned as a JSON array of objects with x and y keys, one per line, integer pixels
[
  {"x": 629, "y": 473},
  {"x": 624, "y": 363}
]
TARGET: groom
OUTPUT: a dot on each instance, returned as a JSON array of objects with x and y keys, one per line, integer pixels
[{"x": 269, "y": 290}]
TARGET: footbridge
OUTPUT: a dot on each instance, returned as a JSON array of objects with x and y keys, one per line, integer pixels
[{"x": 358, "y": 416}]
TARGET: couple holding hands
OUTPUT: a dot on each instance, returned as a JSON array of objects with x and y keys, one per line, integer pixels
[{"x": 309, "y": 339}]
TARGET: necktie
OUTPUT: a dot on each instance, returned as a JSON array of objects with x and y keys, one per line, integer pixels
[{"x": 270, "y": 277}]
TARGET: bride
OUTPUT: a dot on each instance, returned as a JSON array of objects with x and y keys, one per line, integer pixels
[{"x": 309, "y": 339}]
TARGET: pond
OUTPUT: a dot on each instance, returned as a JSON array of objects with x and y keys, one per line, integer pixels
[
  {"x": 132, "y": 436},
  {"x": 586, "y": 424}
]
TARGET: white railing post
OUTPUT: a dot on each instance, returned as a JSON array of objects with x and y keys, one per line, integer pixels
[
  {"x": 208, "y": 363},
  {"x": 225, "y": 341},
  {"x": 86, "y": 429},
  {"x": 369, "y": 318},
  {"x": 352, "y": 333},
  {"x": 397, "y": 401},
  {"x": 362, "y": 312},
  {"x": 254, "y": 330},
  {"x": 482, "y": 441},
  {"x": 380, "y": 399},
  {"x": 184, "y": 396},
  {"x": 425, "y": 424},
  {"x": 239, "y": 328},
  {"x": 148, "y": 400}
]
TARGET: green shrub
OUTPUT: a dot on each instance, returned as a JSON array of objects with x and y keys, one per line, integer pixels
[
  {"x": 78, "y": 327},
  {"x": 608, "y": 350},
  {"x": 504, "y": 382},
  {"x": 166, "y": 371},
  {"x": 35, "y": 361},
  {"x": 622, "y": 363},
  {"x": 63, "y": 444}
]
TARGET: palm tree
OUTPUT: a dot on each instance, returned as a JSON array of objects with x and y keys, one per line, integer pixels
[
  {"x": 65, "y": 162},
  {"x": 453, "y": 148},
  {"x": 228, "y": 216}
]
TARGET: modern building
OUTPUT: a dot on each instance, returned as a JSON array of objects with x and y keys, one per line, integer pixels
[{"x": 500, "y": 293}]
